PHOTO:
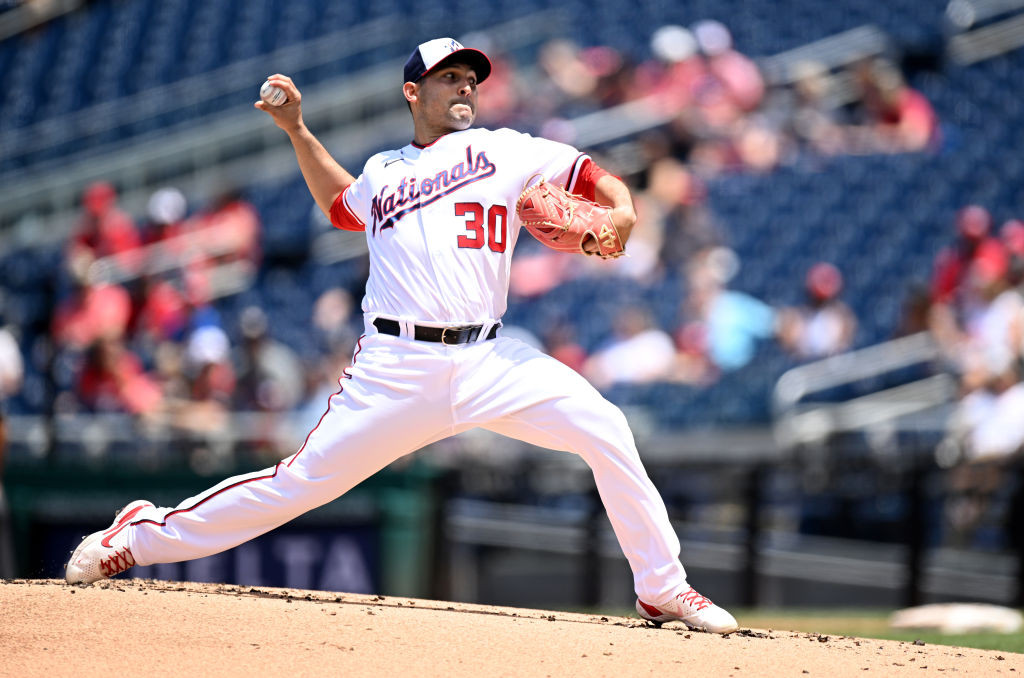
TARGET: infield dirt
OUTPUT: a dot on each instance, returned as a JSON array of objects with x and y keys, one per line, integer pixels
[{"x": 159, "y": 628}]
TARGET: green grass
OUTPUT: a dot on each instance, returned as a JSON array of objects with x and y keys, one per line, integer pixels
[{"x": 870, "y": 624}]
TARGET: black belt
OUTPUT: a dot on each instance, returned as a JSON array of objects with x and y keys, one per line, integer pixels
[{"x": 445, "y": 335}]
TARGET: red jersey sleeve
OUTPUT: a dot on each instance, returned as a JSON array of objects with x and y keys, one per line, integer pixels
[
  {"x": 587, "y": 177},
  {"x": 342, "y": 215}
]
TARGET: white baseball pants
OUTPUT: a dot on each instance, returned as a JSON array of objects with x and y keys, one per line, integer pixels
[{"x": 400, "y": 395}]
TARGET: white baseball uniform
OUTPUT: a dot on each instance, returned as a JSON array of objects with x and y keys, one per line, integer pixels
[{"x": 441, "y": 226}]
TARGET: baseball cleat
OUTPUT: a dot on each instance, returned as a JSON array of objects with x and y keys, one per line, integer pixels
[
  {"x": 103, "y": 554},
  {"x": 692, "y": 609}
]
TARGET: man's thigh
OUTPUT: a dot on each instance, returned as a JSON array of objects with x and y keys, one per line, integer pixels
[{"x": 523, "y": 393}]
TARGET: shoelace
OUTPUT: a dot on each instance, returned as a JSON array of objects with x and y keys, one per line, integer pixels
[
  {"x": 117, "y": 563},
  {"x": 694, "y": 599}
]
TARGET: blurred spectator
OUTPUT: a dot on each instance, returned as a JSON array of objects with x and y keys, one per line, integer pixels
[
  {"x": 230, "y": 228},
  {"x": 614, "y": 75},
  {"x": 159, "y": 311},
  {"x": 675, "y": 73},
  {"x": 569, "y": 78},
  {"x": 210, "y": 381},
  {"x": 638, "y": 353},
  {"x": 228, "y": 236},
  {"x": 333, "y": 321},
  {"x": 730, "y": 88},
  {"x": 112, "y": 380},
  {"x": 825, "y": 325},
  {"x": 207, "y": 357},
  {"x": 673, "y": 210},
  {"x": 893, "y": 118},
  {"x": 990, "y": 345},
  {"x": 973, "y": 224},
  {"x": 571, "y": 82},
  {"x": 955, "y": 299},
  {"x": 165, "y": 209},
  {"x": 729, "y": 323},
  {"x": 269, "y": 373},
  {"x": 808, "y": 112},
  {"x": 169, "y": 373},
  {"x": 91, "y": 312},
  {"x": 989, "y": 358},
  {"x": 736, "y": 73},
  {"x": 103, "y": 230},
  {"x": 989, "y": 421},
  {"x": 758, "y": 146}
]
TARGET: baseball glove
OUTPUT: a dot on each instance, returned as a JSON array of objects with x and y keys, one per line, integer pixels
[{"x": 566, "y": 222}]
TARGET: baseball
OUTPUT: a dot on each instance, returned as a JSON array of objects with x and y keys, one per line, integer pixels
[{"x": 272, "y": 94}]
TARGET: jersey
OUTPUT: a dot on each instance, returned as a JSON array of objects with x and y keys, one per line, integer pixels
[{"x": 440, "y": 221}]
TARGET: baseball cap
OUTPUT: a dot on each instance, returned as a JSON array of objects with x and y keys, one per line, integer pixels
[
  {"x": 435, "y": 53},
  {"x": 824, "y": 280}
]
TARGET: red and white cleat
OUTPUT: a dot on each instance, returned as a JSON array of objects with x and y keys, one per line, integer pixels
[
  {"x": 692, "y": 609},
  {"x": 103, "y": 554}
]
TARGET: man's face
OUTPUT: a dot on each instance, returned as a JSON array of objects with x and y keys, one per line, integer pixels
[{"x": 446, "y": 98}]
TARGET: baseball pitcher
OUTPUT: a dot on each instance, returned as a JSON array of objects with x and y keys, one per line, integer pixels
[{"x": 441, "y": 216}]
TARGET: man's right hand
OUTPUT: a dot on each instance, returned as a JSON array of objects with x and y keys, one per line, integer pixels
[
  {"x": 287, "y": 116},
  {"x": 325, "y": 178}
]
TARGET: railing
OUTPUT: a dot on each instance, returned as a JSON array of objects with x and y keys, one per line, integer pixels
[
  {"x": 965, "y": 14},
  {"x": 73, "y": 438},
  {"x": 800, "y": 419},
  {"x": 829, "y": 53},
  {"x": 31, "y": 14},
  {"x": 988, "y": 41}
]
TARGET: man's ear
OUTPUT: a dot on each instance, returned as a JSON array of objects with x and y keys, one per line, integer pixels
[{"x": 411, "y": 90}]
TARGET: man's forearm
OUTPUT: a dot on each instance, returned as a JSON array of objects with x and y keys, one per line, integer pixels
[
  {"x": 612, "y": 192},
  {"x": 325, "y": 178}
]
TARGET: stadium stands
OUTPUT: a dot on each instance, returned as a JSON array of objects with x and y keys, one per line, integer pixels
[{"x": 880, "y": 218}]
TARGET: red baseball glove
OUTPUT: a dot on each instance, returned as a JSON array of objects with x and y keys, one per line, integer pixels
[{"x": 566, "y": 222}]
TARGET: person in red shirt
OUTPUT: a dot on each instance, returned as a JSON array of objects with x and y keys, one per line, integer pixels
[
  {"x": 103, "y": 230},
  {"x": 898, "y": 118},
  {"x": 91, "y": 312},
  {"x": 956, "y": 297},
  {"x": 973, "y": 227},
  {"x": 112, "y": 380},
  {"x": 160, "y": 311}
]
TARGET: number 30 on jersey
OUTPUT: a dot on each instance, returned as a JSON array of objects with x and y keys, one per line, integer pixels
[{"x": 497, "y": 226}]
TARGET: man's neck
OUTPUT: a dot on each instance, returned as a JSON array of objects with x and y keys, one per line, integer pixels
[{"x": 425, "y": 138}]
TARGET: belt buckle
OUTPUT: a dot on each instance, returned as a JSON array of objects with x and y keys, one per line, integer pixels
[{"x": 444, "y": 335}]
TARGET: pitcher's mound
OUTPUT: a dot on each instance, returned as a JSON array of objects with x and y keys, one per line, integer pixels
[{"x": 159, "y": 628}]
